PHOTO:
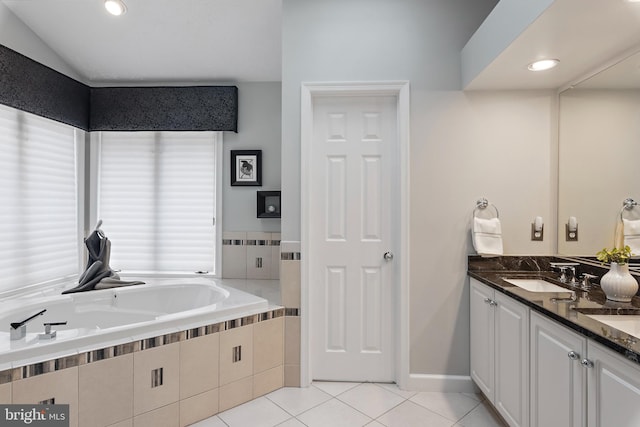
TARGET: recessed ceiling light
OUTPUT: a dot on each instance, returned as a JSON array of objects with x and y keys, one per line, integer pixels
[
  {"x": 115, "y": 7},
  {"x": 543, "y": 64}
]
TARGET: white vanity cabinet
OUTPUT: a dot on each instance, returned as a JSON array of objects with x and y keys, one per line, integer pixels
[
  {"x": 500, "y": 351},
  {"x": 558, "y": 379},
  {"x": 613, "y": 388},
  {"x": 535, "y": 371},
  {"x": 578, "y": 382}
]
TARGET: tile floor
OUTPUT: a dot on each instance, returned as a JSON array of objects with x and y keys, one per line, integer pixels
[{"x": 337, "y": 404}]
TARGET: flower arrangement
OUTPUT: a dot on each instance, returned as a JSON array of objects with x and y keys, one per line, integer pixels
[{"x": 615, "y": 255}]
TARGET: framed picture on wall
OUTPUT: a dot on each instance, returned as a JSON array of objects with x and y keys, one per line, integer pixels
[{"x": 246, "y": 167}]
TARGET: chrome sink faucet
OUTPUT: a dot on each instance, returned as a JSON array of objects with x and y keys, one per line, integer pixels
[
  {"x": 18, "y": 330},
  {"x": 586, "y": 278},
  {"x": 567, "y": 272}
]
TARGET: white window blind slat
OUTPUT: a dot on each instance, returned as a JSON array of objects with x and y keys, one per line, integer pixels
[
  {"x": 38, "y": 204},
  {"x": 157, "y": 200}
]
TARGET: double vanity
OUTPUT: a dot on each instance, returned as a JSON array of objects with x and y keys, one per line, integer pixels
[{"x": 547, "y": 353}]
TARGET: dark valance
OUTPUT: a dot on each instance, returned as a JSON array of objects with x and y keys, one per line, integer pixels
[
  {"x": 164, "y": 108},
  {"x": 30, "y": 86}
]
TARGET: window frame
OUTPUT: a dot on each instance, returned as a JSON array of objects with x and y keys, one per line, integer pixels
[
  {"x": 80, "y": 139},
  {"x": 91, "y": 203}
]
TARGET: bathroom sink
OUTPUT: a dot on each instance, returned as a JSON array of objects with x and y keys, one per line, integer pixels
[
  {"x": 629, "y": 324},
  {"x": 536, "y": 285}
]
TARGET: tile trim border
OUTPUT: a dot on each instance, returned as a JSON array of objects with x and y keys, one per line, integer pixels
[
  {"x": 250, "y": 242},
  {"x": 290, "y": 256},
  {"x": 53, "y": 365}
]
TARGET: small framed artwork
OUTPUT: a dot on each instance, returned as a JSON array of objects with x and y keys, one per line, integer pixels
[{"x": 246, "y": 167}]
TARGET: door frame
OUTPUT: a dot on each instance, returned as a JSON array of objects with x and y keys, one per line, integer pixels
[{"x": 400, "y": 89}]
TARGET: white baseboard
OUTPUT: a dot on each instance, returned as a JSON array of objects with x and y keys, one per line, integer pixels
[{"x": 442, "y": 383}]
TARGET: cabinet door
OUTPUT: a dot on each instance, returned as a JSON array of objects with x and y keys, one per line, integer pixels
[
  {"x": 558, "y": 380},
  {"x": 512, "y": 360},
  {"x": 614, "y": 389},
  {"x": 482, "y": 337}
]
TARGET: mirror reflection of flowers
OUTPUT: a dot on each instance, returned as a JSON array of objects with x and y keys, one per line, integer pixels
[{"x": 246, "y": 169}]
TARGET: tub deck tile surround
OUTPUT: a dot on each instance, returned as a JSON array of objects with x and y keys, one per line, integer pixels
[
  {"x": 239, "y": 391},
  {"x": 172, "y": 408},
  {"x": 27, "y": 371}
]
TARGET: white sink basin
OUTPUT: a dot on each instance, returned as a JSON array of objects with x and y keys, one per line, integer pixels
[
  {"x": 629, "y": 324},
  {"x": 536, "y": 285}
]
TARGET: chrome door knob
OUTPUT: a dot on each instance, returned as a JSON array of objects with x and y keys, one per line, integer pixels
[
  {"x": 388, "y": 256},
  {"x": 573, "y": 355}
]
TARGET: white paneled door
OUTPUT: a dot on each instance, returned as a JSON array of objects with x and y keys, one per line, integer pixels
[{"x": 352, "y": 223}]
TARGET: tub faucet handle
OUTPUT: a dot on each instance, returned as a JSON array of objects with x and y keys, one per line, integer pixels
[
  {"x": 48, "y": 333},
  {"x": 18, "y": 330}
]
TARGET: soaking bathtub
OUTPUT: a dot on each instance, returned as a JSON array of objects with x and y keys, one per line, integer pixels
[{"x": 96, "y": 319}]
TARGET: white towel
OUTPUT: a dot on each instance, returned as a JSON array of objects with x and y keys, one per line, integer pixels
[
  {"x": 487, "y": 236},
  {"x": 632, "y": 235}
]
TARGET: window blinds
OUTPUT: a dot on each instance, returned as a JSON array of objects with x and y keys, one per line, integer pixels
[
  {"x": 157, "y": 200},
  {"x": 38, "y": 205}
]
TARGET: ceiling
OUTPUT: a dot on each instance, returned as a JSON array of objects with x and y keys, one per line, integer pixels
[
  {"x": 155, "y": 41},
  {"x": 582, "y": 34},
  {"x": 215, "y": 41}
]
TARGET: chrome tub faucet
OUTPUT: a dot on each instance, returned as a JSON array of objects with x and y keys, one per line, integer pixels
[{"x": 18, "y": 330}]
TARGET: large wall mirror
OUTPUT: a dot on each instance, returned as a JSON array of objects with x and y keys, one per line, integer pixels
[{"x": 599, "y": 155}]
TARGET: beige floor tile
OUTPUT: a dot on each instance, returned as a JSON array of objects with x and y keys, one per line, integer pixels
[
  {"x": 214, "y": 421},
  {"x": 395, "y": 389},
  {"x": 334, "y": 388},
  {"x": 453, "y": 406},
  {"x": 198, "y": 407},
  {"x": 370, "y": 399},
  {"x": 409, "y": 414},
  {"x": 333, "y": 413},
  {"x": 166, "y": 416},
  {"x": 482, "y": 416},
  {"x": 291, "y": 422},
  {"x": 296, "y": 400},
  {"x": 199, "y": 365},
  {"x": 260, "y": 412},
  {"x": 106, "y": 391},
  {"x": 268, "y": 344}
]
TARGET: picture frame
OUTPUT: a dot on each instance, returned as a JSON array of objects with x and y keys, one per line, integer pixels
[{"x": 246, "y": 168}]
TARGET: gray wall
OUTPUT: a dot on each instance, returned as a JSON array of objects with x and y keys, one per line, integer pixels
[
  {"x": 259, "y": 128},
  {"x": 15, "y": 35},
  {"x": 463, "y": 146}
]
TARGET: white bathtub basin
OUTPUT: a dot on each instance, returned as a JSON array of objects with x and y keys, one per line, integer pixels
[
  {"x": 536, "y": 285},
  {"x": 119, "y": 315},
  {"x": 629, "y": 324}
]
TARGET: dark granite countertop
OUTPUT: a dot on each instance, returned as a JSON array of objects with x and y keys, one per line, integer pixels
[{"x": 566, "y": 313}]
